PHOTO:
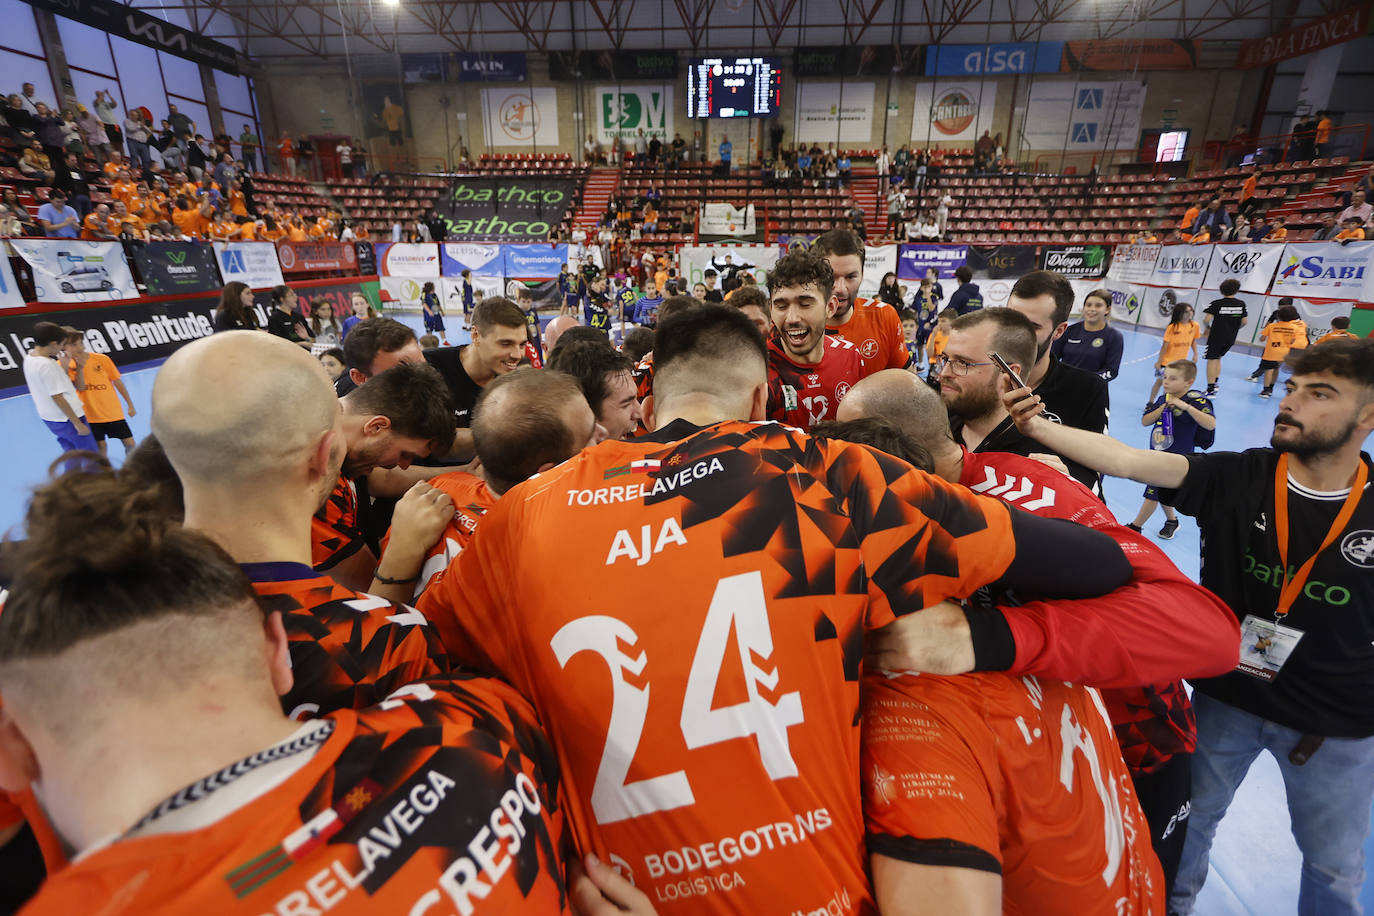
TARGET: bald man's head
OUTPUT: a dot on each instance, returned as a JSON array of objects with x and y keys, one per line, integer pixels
[
  {"x": 235, "y": 407},
  {"x": 554, "y": 330},
  {"x": 904, "y": 400},
  {"x": 530, "y": 420}
]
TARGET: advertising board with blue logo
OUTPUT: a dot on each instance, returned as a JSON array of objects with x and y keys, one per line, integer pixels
[
  {"x": 913, "y": 259},
  {"x": 995, "y": 59},
  {"x": 70, "y": 270},
  {"x": 533, "y": 262},
  {"x": 482, "y": 260},
  {"x": 254, "y": 263},
  {"x": 10, "y": 297},
  {"x": 1326, "y": 270},
  {"x": 407, "y": 259}
]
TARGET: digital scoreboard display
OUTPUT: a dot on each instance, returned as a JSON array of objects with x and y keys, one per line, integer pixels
[{"x": 734, "y": 87}]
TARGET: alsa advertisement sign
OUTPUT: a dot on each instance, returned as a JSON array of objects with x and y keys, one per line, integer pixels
[
  {"x": 1251, "y": 265},
  {"x": 1077, "y": 262},
  {"x": 622, "y": 112},
  {"x": 303, "y": 257},
  {"x": 254, "y": 263},
  {"x": 994, "y": 59},
  {"x": 1326, "y": 270}
]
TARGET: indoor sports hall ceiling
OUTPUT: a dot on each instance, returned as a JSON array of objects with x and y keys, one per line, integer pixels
[{"x": 315, "y": 28}]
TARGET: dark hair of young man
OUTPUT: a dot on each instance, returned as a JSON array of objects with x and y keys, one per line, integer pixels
[
  {"x": 1047, "y": 282},
  {"x": 963, "y": 274},
  {"x": 801, "y": 268},
  {"x": 415, "y": 398},
  {"x": 639, "y": 341},
  {"x": 593, "y": 363},
  {"x": 708, "y": 330},
  {"x": 1351, "y": 359},
  {"x": 48, "y": 332},
  {"x": 495, "y": 311},
  {"x": 1013, "y": 336},
  {"x": 372, "y": 336},
  {"x": 878, "y": 434},
  {"x": 749, "y": 295},
  {"x": 1230, "y": 287},
  {"x": 839, "y": 242}
]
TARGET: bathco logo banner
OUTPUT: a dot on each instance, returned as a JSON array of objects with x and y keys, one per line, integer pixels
[{"x": 505, "y": 210}]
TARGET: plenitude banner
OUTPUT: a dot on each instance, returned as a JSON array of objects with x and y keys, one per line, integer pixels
[
  {"x": 1250, "y": 264},
  {"x": 834, "y": 112},
  {"x": 914, "y": 258},
  {"x": 408, "y": 259},
  {"x": 254, "y": 263},
  {"x": 175, "y": 268},
  {"x": 1182, "y": 266},
  {"x": 1326, "y": 270},
  {"x": 70, "y": 270},
  {"x": 1133, "y": 263},
  {"x": 1076, "y": 262}
]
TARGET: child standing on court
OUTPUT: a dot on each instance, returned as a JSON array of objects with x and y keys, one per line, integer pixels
[
  {"x": 1180, "y": 342},
  {"x": 434, "y": 311},
  {"x": 938, "y": 338},
  {"x": 1286, "y": 332},
  {"x": 1182, "y": 421},
  {"x": 103, "y": 411}
]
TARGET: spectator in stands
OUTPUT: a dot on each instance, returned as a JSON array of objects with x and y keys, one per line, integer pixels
[
  {"x": 105, "y": 107},
  {"x": 942, "y": 214},
  {"x": 1215, "y": 219},
  {"x": 20, "y": 119},
  {"x": 248, "y": 149},
  {"x": 225, "y": 171},
  {"x": 883, "y": 163},
  {"x": 136, "y": 136},
  {"x": 286, "y": 156},
  {"x": 72, "y": 180},
  {"x": 1359, "y": 208},
  {"x": 182, "y": 125},
  {"x": 896, "y": 205},
  {"x": 1330, "y": 228},
  {"x": 19, "y": 214},
  {"x": 726, "y": 151},
  {"x": 71, "y": 133},
  {"x": 1322, "y": 135},
  {"x": 333, "y": 362},
  {"x": 1278, "y": 232},
  {"x": 235, "y": 311},
  {"x": 968, "y": 297},
  {"x": 28, "y": 100},
  {"x": 1353, "y": 231},
  {"x": 1239, "y": 232},
  {"x": 93, "y": 133},
  {"x": 655, "y": 149},
  {"x": 36, "y": 164},
  {"x": 50, "y": 129},
  {"x": 96, "y": 226},
  {"x": 58, "y": 220},
  {"x": 1248, "y": 201},
  {"x": 845, "y": 169},
  {"x": 1259, "y": 230}
]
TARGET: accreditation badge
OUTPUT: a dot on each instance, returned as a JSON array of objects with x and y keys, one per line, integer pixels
[{"x": 1265, "y": 646}]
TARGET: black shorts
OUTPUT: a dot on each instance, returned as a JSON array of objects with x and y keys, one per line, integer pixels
[
  {"x": 1267, "y": 364},
  {"x": 115, "y": 429},
  {"x": 1218, "y": 349}
]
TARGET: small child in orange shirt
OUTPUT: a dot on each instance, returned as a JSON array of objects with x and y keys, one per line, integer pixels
[
  {"x": 1353, "y": 231},
  {"x": 1340, "y": 330},
  {"x": 1286, "y": 332},
  {"x": 938, "y": 338},
  {"x": 1180, "y": 342}
]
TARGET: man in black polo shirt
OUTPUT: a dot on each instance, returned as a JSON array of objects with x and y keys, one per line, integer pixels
[
  {"x": 1072, "y": 396},
  {"x": 498, "y": 343},
  {"x": 1289, "y": 534}
]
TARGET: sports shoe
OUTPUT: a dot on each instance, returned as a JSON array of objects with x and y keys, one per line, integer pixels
[
  {"x": 1211, "y": 390},
  {"x": 1267, "y": 393},
  {"x": 1167, "y": 531},
  {"x": 1134, "y": 527}
]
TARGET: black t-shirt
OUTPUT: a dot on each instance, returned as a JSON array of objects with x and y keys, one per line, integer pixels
[
  {"x": 1227, "y": 315},
  {"x": 283, "y": 324},
  {"x": 449, "y": 362},
  {"x": 713, "y": 295},
  {"x": 1079, "y": 399},
  {"x": 1325, "y": 686},
  {"x": 967, "y": 298}
]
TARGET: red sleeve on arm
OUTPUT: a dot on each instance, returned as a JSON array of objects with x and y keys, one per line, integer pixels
[{"x": 1160, "y": 627}]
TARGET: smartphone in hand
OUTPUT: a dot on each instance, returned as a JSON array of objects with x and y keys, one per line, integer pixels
[{"x": 1006, "y": 367}]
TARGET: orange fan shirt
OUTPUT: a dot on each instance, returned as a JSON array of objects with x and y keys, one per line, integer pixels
[
  {"x": 937, "y": 343},
  {"x": 709, "y": 744},
  {"x": 297, "y": 233},
  {"x": 1006, "y": 774},
  {"x": 249, "y": 232},
  {"x": 1337, "y": 334},
  {"x": 1282, "y": 336},
  {"x": 1357, "y": 234},
  {"x": 471, "y": 499},
  {"x": 123, "y": 190},
  {"x": 1178, "y": 340},
  {"x": 286, "y": 149},
  {"x": 334, "y": 531},
  {"x": 237, "y": 205},
  {"x": 93, "y": 224},
  {"x": 111, "y": 169},
  {"x": 273, "y": 235},
  {"x": 876, "y": 330},
  {"x": 1189, "y": 217},
  {"x": 348, "y": 649},
  {"x": 100, "y": 398},
  {"x": 191, "y": 222},
  {"x": 1247, "y": 190},
  {"x": 439, "y": 801}
]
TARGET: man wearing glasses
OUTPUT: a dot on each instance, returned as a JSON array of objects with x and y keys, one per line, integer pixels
[{"x": 970, "y": 383}]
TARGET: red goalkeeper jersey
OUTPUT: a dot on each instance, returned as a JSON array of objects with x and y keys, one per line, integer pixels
[
  {"x": 694, "y": 645},
  {"x": 442, "y": 800}
]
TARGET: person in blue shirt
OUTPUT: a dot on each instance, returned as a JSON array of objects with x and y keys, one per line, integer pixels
[
  {"x": 468, "y": 297},
  {"x": 646, "y": 309},
  {"x": 933, "y": 275},
  {"x": 725, "y": 151},
  {"x": 58, "y": 220},
  {"x": 625, "y": 300},
  {"x": 968, "y": 297},
  {"x": 596, "y": 305},
  {"x": 846, "y": 170},
  {"x": 1181, "y": 421},
  {"x": 1090, "y": 344}
]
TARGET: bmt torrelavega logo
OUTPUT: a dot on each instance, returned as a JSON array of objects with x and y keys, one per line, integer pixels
[{"x": 625, "y": 112}]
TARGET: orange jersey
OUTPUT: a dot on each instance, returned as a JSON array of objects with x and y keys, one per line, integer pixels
[
  {"x": 1178, "y": 340},
  {"x": 334, "y": 532},
  {"x": 1012, "y": 775},
  {"x": 297, "y": 233},
  {"x": 1337, "y": 334},
  {"x": 348, "y": 649},
  {"x": 248, "y": 232},
  {"x": 1247, "y": 190},
  {"x": 471, "y": 499},
  {"x": 441, "y": 800},
  {"x": 1282, "y": 336},
  {"x": 100, "y": 398},
  {"x": 1189, "y": 217},
  {"x": 237, "y": 206},
  {"x": 191, "y": 222},
  {"x": 936, "y": 346},
  {"x": 273, "y": 235},
  {"x": 874, "y": 328},
  {"x": 1356, "y": 234},
  {"x": 696, "y": 657},
  {"x": 123, "y": 190},
  {"x": 93, "y": 224},
  {"x": 111, "y": 169}
]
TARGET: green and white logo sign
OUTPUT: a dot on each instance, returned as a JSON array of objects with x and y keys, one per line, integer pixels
[{"x": 621, "y": 112}]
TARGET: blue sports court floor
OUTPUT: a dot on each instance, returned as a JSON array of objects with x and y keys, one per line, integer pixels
[{"x": 1254, "y": 862}]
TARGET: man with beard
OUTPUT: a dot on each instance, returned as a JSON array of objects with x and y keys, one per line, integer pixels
[
  {"x": 869, "y": 324},
  {"x": 809, "y": 371},
  {"x": 971, "y": 384},
  {"x": 1289, "y": 549}
]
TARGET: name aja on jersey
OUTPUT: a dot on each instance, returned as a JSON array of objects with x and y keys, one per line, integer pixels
[{"x": 468, "y": 878}]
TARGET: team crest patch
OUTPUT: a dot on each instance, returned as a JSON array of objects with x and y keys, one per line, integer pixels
[{"x": 1358, "y": 548}]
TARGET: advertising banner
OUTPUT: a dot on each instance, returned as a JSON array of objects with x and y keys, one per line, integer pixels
[
  {"x": 914, "y": 258},
  {"x": 1334, "y": 29},
  {"x": 1184, "y": 266},
  {"x": 725, "y": 221},
  {"x": 155, "y": 32},
  {"x": 1324, "y": 270},
  {"x": 879, "y": 260},
  {"x": 175, "y": 268},
  {"x": 404, "y": 292},
  {"x": 623, "y": 111},
  {"x": 533, "y": 262},
  {"x": 1157, "y": 304},
  {"x": 128, "y": 334},
  {"x": 487, "y": 66},
  {"x": 303, "y": 257},
  {"x": 254, "y": 263},
  {"x": 1316, "y": 312},
  {"x": 1252, "y": 265},
  {"x": 827, "y": 112},
  {"x": 831, "y": 61},
  {"x": 10, "y": 297},
  {"x": 520, "y": 117},
  {"x": 451, "y": 288},
  {"x": 998, "y": 262},
  {"x": 994, "y": 59},
  {"x": 948, "y": 110},
  {"x": 70, "y": 270},
  {"x": 1128, "y": 301},
  {"x": 1117, "y": 54},
  {"x": 789, "y": 242},
  {"x": 613, "y": 65},
  {"x": 505, "y": 209},
  {"x": 756, "y": 259},
  {"x": 995, "y": 292},
  {"x": 408, "y": 259},
  {"x": 456, "y": 257},
  {"x": 367, "y": 258},
  {"x": 1065, "y": 114},
  {"x": 1134, "y": 263},
  {"x": 1076, "y": 262},
  {"x": 338, "y": 293}
]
